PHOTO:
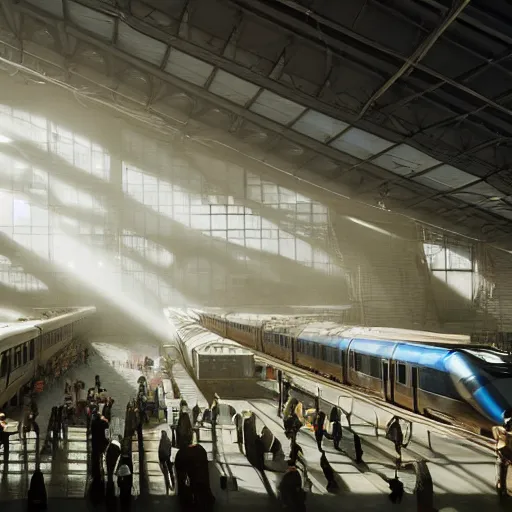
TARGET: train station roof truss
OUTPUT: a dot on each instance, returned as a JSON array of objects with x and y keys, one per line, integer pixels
[{"x": 415, "y": 118}]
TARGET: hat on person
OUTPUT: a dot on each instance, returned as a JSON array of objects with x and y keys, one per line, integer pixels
[{"x": 2, "y": 415}]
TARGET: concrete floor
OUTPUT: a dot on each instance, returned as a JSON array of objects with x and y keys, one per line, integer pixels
[{"x": 463, "y": 477}]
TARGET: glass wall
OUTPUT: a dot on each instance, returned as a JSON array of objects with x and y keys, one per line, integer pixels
[
  {"x": 454, "y": 265},
  {"x": 160, "y": 220}
]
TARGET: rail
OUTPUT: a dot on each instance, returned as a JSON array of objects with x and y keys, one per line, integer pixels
[{"x": 385, "y": 407}]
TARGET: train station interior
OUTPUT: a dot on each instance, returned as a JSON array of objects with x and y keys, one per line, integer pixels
[{"x": 255, "y": 253}]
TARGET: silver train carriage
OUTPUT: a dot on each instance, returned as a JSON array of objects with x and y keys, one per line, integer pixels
[
  {"x": 207, "y": 354},
  {"x": 25, "y": 346},
  {"x": 439, "y": 375}
]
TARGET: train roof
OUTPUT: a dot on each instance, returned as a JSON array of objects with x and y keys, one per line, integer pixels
[
  {"x": 25, "y": 330},
  {"x": 196, "y": 337},
  {"x": 331, "y": 329},
  {"x": 7, "y": 330}
]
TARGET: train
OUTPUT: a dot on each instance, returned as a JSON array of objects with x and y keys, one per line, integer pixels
[
  {"x": 207, "y": 355},
  {"x": 27, "y": 345},
  {"x": 441, "y": 376}
]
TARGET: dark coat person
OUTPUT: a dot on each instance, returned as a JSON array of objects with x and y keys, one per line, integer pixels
[
  {"x": 55, "y": 423},
  {"x": 195, "y": 414},
  {"x": 358, "y": 449},
  {"x": 99, "y": 442},
  {"x": 184, "y": 433},
  {"x": 337, "y": 434},
  {"x": 259, "y": 450},
  {"x": 164, "y": 457},
  {"x": 395, "y": 435},
  {"x": 319, "y": 429},
  {"x": 111, "y": 457},
  {"x": 64, "y": 421},
  {"x": 125, "y": 484},
  {"x": 107, "y": 409},
  {"x": 192, "y": 466},
  {"x": 291, "y": 492},
  {"x": 334, "y": 415},
  {"x": 37, "y": 498}
]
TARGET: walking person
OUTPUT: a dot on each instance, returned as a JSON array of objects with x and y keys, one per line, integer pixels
[
  {"x": 291, "y": 493},
  {"x": 164, "y": 457},
  {"x": 125, "y": 484},
  {"x": 319, "y": 429},
  {"x": 503, "y": 436},
  {"x": 394, "y": 433}
]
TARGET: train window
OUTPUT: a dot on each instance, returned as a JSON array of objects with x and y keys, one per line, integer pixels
[
  {"x": 18, "y": 362},
  {"x": 4, "y": 360},
  {"x": 352, "y": 359},
  {"x": 25, "y": 354},
  {"x": 358, "y": 362},
  {"x": 439, "y": 383},
  {"x": 401, "y": 373},
  {"x": 31, "y": 350},
  {"x": 375, "y": 367}
]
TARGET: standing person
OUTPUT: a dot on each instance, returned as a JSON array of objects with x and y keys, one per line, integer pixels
[
  {"x": 291, "y": 492},
  {"x": 503, "y": 437},
  {"x": 97, "y": 384},
  {"x": 337, "y": 434},
  {"x": 112, "y": 455},
  {"x": 164, "y": 457},
  {"x": 4, "y": 437},
  {"x": 394, "y": 433},
  {"x": 358, "y": 448},
  {"x": 107, "y": 408},
  {"x": 64, "y": 421},
  {"x": 192, "y": 467},
  {"x": 99, "y": 442},
  {"x": 56, "y": 425},
  {"x": 195, "y": 414},
  {"x": 36, "y": 497},
  {"x": 319, "y": 428},
  {"x": 125, "y": 484}
]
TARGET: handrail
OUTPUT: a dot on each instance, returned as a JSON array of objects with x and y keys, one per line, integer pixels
[{"x": 464, "y": 434}]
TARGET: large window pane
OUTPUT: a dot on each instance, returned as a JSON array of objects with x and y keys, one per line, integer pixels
[
  {"x": 436, "y": 255},
  {"x": 458, "y": 258},
  {"x": 461, "y": 282}
]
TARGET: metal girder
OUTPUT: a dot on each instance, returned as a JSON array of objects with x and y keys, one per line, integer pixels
[
  {"x": 323, "y": 39},
  {"x": 417, "y": 55},
  {"x": 464, "y": 77},
  {"x": 7, "y": 8},
  {"x": 241, "y": 71},
  {"x": 198, "y": 91},
  {"x": 480, "y": 20},
  {"x": 229, "y": 49},
  {"x": 183, "y": 28}
]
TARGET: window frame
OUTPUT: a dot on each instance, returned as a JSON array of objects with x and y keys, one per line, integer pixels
[{"x": 397, "y": 373}]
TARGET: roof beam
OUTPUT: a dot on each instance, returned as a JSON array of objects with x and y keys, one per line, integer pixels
[
  {"x": 7, "y": 8},
  {"x": 322, "y": 39},
  {"x": 417, "y": 55},
  {"x": 183, "y": 29}
]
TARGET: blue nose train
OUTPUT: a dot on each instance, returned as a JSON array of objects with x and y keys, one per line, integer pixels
[{"x": 438, "y": 375}]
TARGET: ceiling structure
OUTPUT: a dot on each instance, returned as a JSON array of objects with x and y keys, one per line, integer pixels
[{"x": 405, "y": 105}]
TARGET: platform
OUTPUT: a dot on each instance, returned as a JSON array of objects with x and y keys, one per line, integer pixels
[{"x": 463, "y": 474}]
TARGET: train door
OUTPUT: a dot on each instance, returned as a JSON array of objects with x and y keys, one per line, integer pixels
[
  {"x": 415, "y": 404},
  {"x": 386, "y": 384}
]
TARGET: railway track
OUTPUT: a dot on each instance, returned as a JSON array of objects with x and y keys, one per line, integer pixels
[{"x": 430, "y": 424}]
